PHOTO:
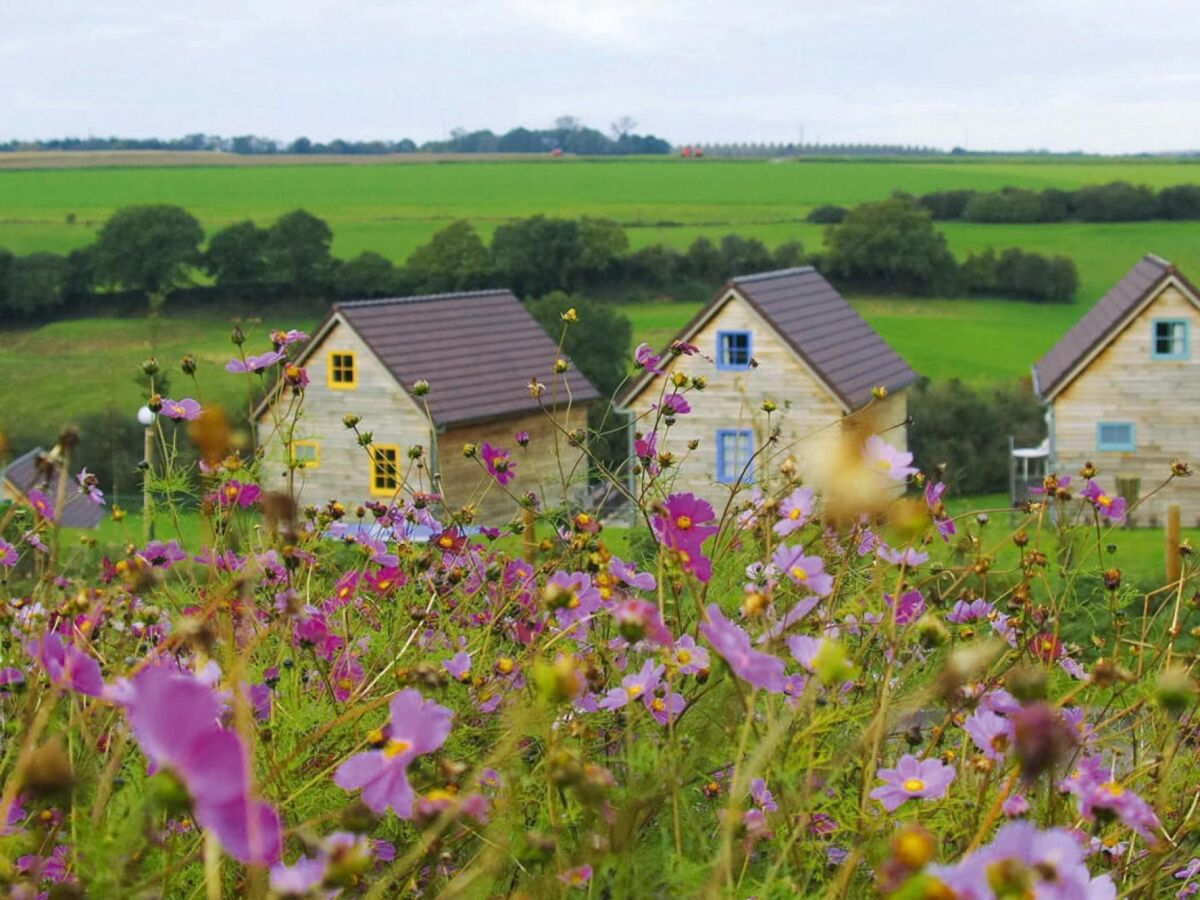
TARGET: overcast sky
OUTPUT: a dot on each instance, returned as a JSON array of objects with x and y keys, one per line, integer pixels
[{"x": 1008, "y": 74}]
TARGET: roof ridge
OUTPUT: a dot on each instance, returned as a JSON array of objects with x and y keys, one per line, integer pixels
[
  {"x": 777, "y": 273},
  {"x": 423, "y": 298},
  {"x": 1154, "y": 257}
]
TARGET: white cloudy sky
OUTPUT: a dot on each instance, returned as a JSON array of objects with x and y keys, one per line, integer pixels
[{"x": 1098, "y": 75}]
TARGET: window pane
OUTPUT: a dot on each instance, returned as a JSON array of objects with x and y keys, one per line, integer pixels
[
  {"x": 1116, "y": 434},
  {"x": 734, "y": 348}
]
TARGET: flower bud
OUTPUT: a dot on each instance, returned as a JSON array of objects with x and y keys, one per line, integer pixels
[
  {"x": 560, "y": 366},
  {"x": 237, "y": 336},
  {"x": 879, "y": 392},
  {"x": 769, "y": 406},
  {"x": 678, "y": 379},
  {"x": 1088, "y": 470},
  {"x": 420, "y": 388},
  {"x": 150, "y": 366},
  {"x": 188, "y": 364},
  {"x": 350, "y": 420},
  {"x": 570, "y": 315},
  {"x": 912, "y": 847},
  {"x": 469, "y": 451}
]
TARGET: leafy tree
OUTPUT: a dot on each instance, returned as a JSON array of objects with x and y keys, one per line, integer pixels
[
  {"x": 967, "y": 430},
  {"x": 1007, "y": 205},
  {"x": 703, "y": 259},
  {"x": 79, "y": 278},
  {"x": 147, "y": 248},
  {"x": 602, "y": 243},
  {"x": 6, "y": 261},
  {"x": 946, "y": 204},
  {"x": 1179, "y": 202},
  {"x": 1119, "y": 201},
  {"x": 891, "y": 244},
  {"x": 742, "y": 256},
  {"x": 788, "y": 255},
  {"x": 656, "y": 266},
  {"x": 367, "y": 275},
  {"x": 236, "y": 255},
  {"x": 826, "y": 214},
  {"x": 35, "y": 283},
  {"x": 455, "y": 259},
  {"x": 297, "y": 252},
  {"x": 598, "y": 343},
  {"x": 537, "y": 255}
]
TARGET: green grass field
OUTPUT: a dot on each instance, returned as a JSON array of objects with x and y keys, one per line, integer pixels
[{"x": 74, "y": 366}]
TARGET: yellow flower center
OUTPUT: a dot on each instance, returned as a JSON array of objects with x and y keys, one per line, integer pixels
[
  {"x": 683, "y": 656},
  {"x": 912, "y": 785},
  {"x": 504, "y": 665},
  {"x": 794, "y": 514},
  {"x": 231, "y": 491},
  {"x": 385, "y": 584},
  {"x": 446, "y": 543},
  {"x": 883, "y": 465},
  {"x": 684, "y": 557},
  {"x": 683, "y": 523},
  {"x": 658, "y": 704},
  {"x": 633, "y": 690},
  {"x": 799, "y": 574},
  {"x": 395, "y": 748},
  {"x": 1104, "y": 500},
  {"x": 1114, "y": 789}
]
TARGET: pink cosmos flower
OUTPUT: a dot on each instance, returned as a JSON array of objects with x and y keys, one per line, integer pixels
[
  {"x": 639, "y": 620},
  {"x": 681, "y": 525},
  {"x": 1111, "y": 508},
  {"x": 497, "y": 462},
  {"x": 645, "y": 357},
  {"x": 909, "y": 557},
  {"x": 689, "y": 656},
  {"x": 794, "y": 512},
  {"x": 907, "y": 607},
  {"x": 417, "y": 726},
  {"x": 295, "y": 376},
  {"x": 281, "y": 339},
  {"x": 160, "y": 555},
  {"x": 991, "y": 733},
  {"x": 67, "y": 665},
  {"x": 8, "y": 554},
  {"x": 912, "y": 778},
  {"x": 646, "y": 450},
  {"x": 175, "y": 721},
  {"x": 89, "y": 486},
  {"x": 184, "y": 410},
  {"x": 233, "y": 492},
  {"x": 964, "y": 611},
  {"x": 807, "y": 572},
  {"x": 674, "y": 404},
  {"x": 733, "y": 645},
  {"x": 577, "y": 877},
  {"x": 255, "y": 364},
  {"x": 522, "y": 438},
  {"x": 459, "y": 666},
  {"x": 882, "y": 456},
  {"x": 39, "y": 503}
]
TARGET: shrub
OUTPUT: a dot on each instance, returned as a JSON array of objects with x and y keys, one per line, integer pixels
[{"x": 826, "y": 214}]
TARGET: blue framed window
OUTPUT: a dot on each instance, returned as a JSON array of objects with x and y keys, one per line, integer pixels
[
  {"x": 1170, "y": 339},
  {"x": 1115, "y": 436},
  {"x": 735, "y": 446},
  {"x": 733, "y": 350}
]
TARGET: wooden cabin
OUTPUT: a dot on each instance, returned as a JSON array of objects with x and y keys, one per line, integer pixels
[
  {"x": 1122, "y": 389},
  {"x": 477, "y": 351},
  {"x": 788, "y": 337},
  {"x": 33, "y": 471}
]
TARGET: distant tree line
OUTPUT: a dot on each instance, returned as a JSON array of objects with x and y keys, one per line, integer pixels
[
  {"x": 779, "y": 150},
  {"x": 568, "y": 135},
  {"x": 1118, "y": 201},
  {"x": 889, "y": 247}
]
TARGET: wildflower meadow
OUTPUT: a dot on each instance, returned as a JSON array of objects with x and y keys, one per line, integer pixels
[{"x": 823, "y": 685}]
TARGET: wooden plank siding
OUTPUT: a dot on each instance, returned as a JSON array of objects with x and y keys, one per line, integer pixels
[
  {"x": 1160, "y": 397},
  {"x": 807, "y": 412}
]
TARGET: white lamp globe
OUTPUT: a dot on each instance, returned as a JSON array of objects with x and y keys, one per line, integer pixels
[{"x": 145, "y": 416}]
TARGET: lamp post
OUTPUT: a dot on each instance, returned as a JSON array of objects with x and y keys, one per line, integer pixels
[{"x": 146, "y": 417}]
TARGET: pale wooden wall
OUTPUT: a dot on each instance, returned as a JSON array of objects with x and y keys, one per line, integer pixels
[
  {"x": 1161, "y": 397},
  {"x": 393, "y": 417},
  {"x": 807, "y": 413}
]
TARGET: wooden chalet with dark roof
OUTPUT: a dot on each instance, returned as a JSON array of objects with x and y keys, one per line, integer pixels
[
  {"x": 785, "y": 336},
  {"x": 478, "y": 351},
  {"x": 1122, "y": 388}
]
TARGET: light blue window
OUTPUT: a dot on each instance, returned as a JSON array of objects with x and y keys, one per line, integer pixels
[
  {"x": 1170, "y": 339},
  {"x": 733, "y": 349},
  {"x": 1115, "y": 436},
  {"x": 734, "y": 448}
]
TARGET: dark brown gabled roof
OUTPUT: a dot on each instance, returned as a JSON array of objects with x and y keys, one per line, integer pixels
[
  {"x": 1052, "y": 372},
  {"x": 477, "y": 350},
  {"x": 834, "y": 341},
  {"x": 77, "y": 511}
]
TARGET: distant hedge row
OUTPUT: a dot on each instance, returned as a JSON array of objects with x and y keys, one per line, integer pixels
[
  {"x": 1119, "y": 201},
  {"x": 890, "y": 248}
]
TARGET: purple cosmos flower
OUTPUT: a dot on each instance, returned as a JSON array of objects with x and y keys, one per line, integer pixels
[
  {"x": 417, "y": 726},
  {"x": 628, "y": 574},
  {"x": 89, "y": 486},
  {"x": 497, "y": 462},
  {"x": 281, "y": 339},
  {"x": 682, "y": 527},
  {"x": 8, "y": 554},
  {"x": 908, "y": 557},
  {"x": 175, "y": 720},
  {"x": 807, "y": 572},
  {"x": 39, "y": 503},
  {"x": 234, "y": 493},
  {"x": 933, "y": 499},
  {"x": 1111, "y": 508},
  {"x": 638, "y": 620},
  {"x": 733, "y": 645},
  {"x": 761, "y": 796},
  {"x": 634, "y": 687},
  {"x": 794, "y": 512},
  {"x": 184, "y": 410},
  {"x": 804, "y": 649},
  {"x": 295, "y": 376},
  {"x": 912, "y": 778},
  {"x": 255, "y": 363},
  {"x": 300, "y": 878},
  {"x": 459, "y": 666},
  {"x": 1108, "y": 798},
  {"x": 645, "y": 357},
  {"x": 674, "y": 404},
  {"x": 573, "y": 597},
  {"x": 991, "y": 733},
  {"x": 1015, "y": 806},
  {"x": 907, "y": 608},
  {"x": 347, "y": 674},
  {"x": 160, "y": 555},
  {"x": 689, "y": 656},
  {"x": 1052, "y": 484},
  {"x": 1023, "y": 861},
  {"x": 665, "y": 706},
  {"x": 964, "y": 611},
  {"x": 66, "y": 665},
  {"x": 883, "y": 457}
]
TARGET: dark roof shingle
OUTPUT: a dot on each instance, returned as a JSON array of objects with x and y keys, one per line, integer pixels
[
  {"x": 1099, "y": 324},
  {"x": 826, "y": 332},
  {"x": 477, "y": 350},
  {"x": 77, "y": 511}
]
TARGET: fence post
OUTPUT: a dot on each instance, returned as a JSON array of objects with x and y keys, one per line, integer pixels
[
  {"x": 1172, "y": 548},
  {"x": 528, "y": 535}
]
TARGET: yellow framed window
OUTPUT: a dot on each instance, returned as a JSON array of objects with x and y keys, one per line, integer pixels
[
  {"x": 306, "y": 454},
  {"x": 385, "y": 469},
  {"x": 341, "y": 369}
]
